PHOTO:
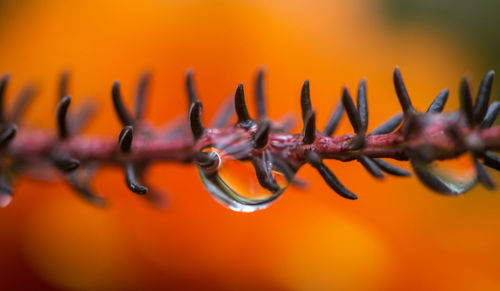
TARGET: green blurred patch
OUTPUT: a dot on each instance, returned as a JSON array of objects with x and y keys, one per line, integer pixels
[{"x": 476, "y": 23}]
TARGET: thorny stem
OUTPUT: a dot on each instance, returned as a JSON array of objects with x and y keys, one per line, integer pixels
[
  {"x": 420, "y": 137},
  {"x": 86, "y": 148}
]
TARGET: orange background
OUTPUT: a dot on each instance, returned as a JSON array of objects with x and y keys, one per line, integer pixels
[{"x": 398, "y": 235}]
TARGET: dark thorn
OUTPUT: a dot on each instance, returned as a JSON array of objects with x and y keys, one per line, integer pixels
[
  {"x": 125, "y": 139},
  {"x": 285, "y": 168},
  {"x": 371, "y": 167},
  {"x": 334, "y": 120},
  {"x": 362, "y": 105},
  {"x": 305, "y": 100},
  {"x": 438, "y": 103},
  {"x": 260, "y": 95},
  {"x": 61, "y": 113},
  {"x": 466, "y": 101},
  {"x": 491, "y": 115},
  {"x": 207, "y": 160},
  {"x": 121, "y": 111},
  {"x": 3, "y": 87},
  {"x": 65, "y": 163},
  {"x": 330, "y": 179},
  {"x": 130, "y": 179},
  {"x": 309, "y": 128},
  {"x": 62, "y": 89},
  {"x": 351, "y": 110},
  {"x": 404, "y": 98},
  {"x": 483, "y": 97},
  {"x": 483, "y": 176},
  {"x": 141, "y": 94},
  {"x": 191, "y": 90},
  {"x": 300, "y": 183},
  {"x": 491, "y": 160},
  {"x": 195, "y": 119},
  {"x": 388, "y": 126},
  {"x": 432, "y": 182},
  {"x": 240, "y": 107},
  {"x": 223, "y": 113},
  {"x": 21, "y": 103},
  {"x": 84, "y": 114},
  {"x": 84, "y": 191},
  {"x": 264, "y": 176},
  {"x": 391, "y": 169},
  {"x": 262, "y": 135},
  {"x": 8, "y": 134}
]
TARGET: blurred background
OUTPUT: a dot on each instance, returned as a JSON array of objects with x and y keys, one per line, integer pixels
[{"x": 398, "y": 235}]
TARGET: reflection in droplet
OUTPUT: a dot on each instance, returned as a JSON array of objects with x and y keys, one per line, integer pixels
[
  {"x": 235, "y": 183},
  {"x": 451, "y": 177}
]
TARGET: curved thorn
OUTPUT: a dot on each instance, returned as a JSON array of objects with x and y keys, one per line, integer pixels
[
  {"x": 433, "y": 182},
  {"x": 121, "y": 111},
  {"x": 334, "y": 120},
  {"x": 403, "y": 97},
  {"x": 131, "y": 180},
  {"x": 141, "y": 94},
  {"x": 330, "y": 179},
  {"x": 438, "y": 103},
  {"x": 260, "y": 95},
  {"x": 483, "y": 176},
  {"x": 285, "y": 168},
  {"x": 125, "y": 139},
  {"x": 391, "y": 169},
  {"x": 65, "y": 163},
  {"x": 371, "y": 167},
  {"x": 62, "y": 88},
  {"x": 190, "y": 87},
  {"x": 264, "y": 176},
  {"x": 240, "y": 107},
  {"x": 466, "y": 101},
  {"x": 491, "y": 160},
  {"x": 195, "y": 119},
  {"x": 351, "y": 110},
  {"x": 309, "y": 128},
  {"x": 3, "y": 87},
  {"x": 362, "y": 104},
  {"x": 61, "y": 113},
  {"x": 21, "y": 103},
  {"x": 305, "y": 99},
  {"x": 82, "y": 187},
  {"x": 388, "y": 126},
  {"x": 8, "y": 134},
  {"x": 262, "y": 135},
  {"x": 491, "y": 115},
  {"x": 483, "y": 97}
]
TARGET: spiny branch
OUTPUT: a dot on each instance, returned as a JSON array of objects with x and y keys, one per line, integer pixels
[{"x": 422, "y": 138}]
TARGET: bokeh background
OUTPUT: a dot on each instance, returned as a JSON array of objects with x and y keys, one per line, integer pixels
[{"x": 398, "y": 235}]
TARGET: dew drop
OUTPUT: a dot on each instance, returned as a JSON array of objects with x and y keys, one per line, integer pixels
[
  {"x": 450, "y": 177},
  {"x": 234, "y": 183}
]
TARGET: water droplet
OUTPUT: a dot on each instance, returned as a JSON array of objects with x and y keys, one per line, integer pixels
[
  {"x": 451, "y": 177},
  {"x": 234, "y": 183}
]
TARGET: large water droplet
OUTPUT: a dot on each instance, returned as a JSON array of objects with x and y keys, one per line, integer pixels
[
  {"x": 451, "y": 177},
  {"x": 234, "y": 183}
]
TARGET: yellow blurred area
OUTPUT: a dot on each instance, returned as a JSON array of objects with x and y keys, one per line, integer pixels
[{"x": 397, "y": 236}]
